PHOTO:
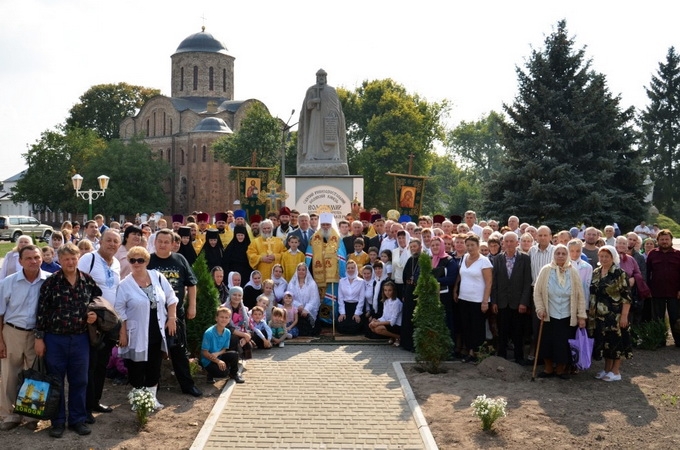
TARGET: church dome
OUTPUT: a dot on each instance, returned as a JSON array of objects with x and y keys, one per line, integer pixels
[
  {"x": 202, "y": 42},
  {"x": 212, "y": 124}
]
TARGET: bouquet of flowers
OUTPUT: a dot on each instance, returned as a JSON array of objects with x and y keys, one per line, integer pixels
[
  {"x": 488, "y": 410},
  {"x": 142, "y": 401}
]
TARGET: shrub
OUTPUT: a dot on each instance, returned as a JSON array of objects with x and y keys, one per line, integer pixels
[
  {"x": 649, "y": 335},
  {"x": 206, "y": 303},
  {"x": 431, "y": 335}
]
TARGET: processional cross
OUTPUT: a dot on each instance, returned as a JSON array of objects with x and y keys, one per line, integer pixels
[{"x": 273, "y": 196}]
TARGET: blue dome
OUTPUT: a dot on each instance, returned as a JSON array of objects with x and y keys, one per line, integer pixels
[
  {"x": 202, "y": 42},
  {"x": 212, "y": 124}
]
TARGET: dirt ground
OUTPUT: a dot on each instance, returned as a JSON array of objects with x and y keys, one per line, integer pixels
[
  {"x": 174, "y": 427},
  {"x": 641, "y": 411}
]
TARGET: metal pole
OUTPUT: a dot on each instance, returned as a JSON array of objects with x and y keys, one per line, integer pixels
[{"x": 89, "y": 217}]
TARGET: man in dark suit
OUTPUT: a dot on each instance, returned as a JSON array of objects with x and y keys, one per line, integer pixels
[
  {"x": 511, "y": 295},
  {"x": 357, "y": 229},
  {"x": 303, "y": 232},
  {"x": 379, "y": 227}
]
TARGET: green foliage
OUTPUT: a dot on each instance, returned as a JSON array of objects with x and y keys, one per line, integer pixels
[
  {"x": 385, "y": 124},
  {"x": 135, "y": 174},
  {"x": 450, "y": 189},
  {"x": 206, "y": 304},
  {"x": 569, "y": 146},
  {"x": 431, "y": 336},
  {"x": 52, "y": 161},
  {"x": 659, "y": 138},
  {"x": 258, "y": 132},
  {"x": 648, "y": 335},
  {"x": 667, "y": 222},
  {"x": 478, "y": 145},
  {"x": 103, "y": 107}
]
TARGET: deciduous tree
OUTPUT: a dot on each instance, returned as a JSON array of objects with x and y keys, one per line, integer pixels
[{"x": 103, "y": 107}]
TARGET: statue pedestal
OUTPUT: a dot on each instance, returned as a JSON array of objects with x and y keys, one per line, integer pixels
[
  {"x": 308, "y": 193},
  {"x": 332, "y": 168}
]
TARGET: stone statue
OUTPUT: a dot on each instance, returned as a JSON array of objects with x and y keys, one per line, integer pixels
[{"x": 321, "y": 132}]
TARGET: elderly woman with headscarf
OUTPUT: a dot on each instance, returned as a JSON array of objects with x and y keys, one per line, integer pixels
[
  {"x": 445, "y": 270},
  {"x": 235, "y": 255},
  {"x": 306, "y": 299},
  {"x": 560, "y": 304},
  {"x": 609, "y": 306},
  {"x": 639, "y": 291},
  {"x": 584, "y": 269}
]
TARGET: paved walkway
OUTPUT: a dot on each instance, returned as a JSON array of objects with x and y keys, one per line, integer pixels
[{"x": 319, "y": 397}]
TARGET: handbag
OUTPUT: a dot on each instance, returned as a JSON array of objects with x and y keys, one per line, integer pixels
[
  {"x": 39, "y": 393},
  {"x": 581, "y": 349}
]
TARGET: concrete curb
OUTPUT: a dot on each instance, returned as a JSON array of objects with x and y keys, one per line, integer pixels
[
  {"x": 418, "y": 417},
  {"x": 220, "y": 405}
]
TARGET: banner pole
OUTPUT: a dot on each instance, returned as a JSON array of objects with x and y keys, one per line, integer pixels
[{"x": 333, "y": 302}]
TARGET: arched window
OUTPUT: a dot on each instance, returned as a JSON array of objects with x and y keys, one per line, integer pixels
[
  {"x": 181, "y": 79},
  {"x": 147, "y": 127},
  {"x": 181, "y": 161},
  {"x": 195, "y": 77},
  {"x": 160, "y": 154},
  {"x": 210, "y": 78},
  {"x": 168, "y": 154},
  {"x": 224, "y": 80},
  {"x": 154, "y": 123},
  {"x": 165, "y": 122},
  {"x": 194, "y": 153},
  {"x": 205, "y": 153}
]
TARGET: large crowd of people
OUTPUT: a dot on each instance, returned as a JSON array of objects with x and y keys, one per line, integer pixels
[{"x": 292, "y": 274}]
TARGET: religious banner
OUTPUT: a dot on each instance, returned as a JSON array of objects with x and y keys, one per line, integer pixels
[
  {"x": 409, "y": 191},
  {"x": 251, "y": 182}
]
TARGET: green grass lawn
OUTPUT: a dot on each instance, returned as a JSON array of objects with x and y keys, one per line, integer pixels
[{"x": 6, "y": 246}]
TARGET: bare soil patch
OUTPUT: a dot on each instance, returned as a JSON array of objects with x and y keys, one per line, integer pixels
[{"x": 642, "y": 411}]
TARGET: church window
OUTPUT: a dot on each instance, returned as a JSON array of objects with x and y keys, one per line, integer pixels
[
  {"x": 224, "y": 80},
  {"x": 154, "y": 124},
  {"x": 168, "y": 153},
  {"x": 210, "y": 79},
  {"x": 165, "y": 119},
  {"x": 181, "y": 78},
  {"x": 195, "y": 77},
  {"x": 160, "y": 154},
  {"x": 194, "y": 153},
  {"x": 147, "y": 127},
  {"x": 205, "y": 153},
  {"x": 181, "y": 161}
]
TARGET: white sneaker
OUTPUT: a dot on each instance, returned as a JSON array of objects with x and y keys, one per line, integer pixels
[
  {"x": 611, "y": 377},
  {"x": 281, "y": 345},
  {"x": 289, "y": 336},
  {"x": 601, "y": 374}
]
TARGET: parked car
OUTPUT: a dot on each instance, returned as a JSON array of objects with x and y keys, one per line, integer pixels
[{"x": 11, "y": 227}]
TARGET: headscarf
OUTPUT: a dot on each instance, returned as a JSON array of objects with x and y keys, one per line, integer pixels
[
  {"x": 280, "y": 284},
  {"x": 252, "y": 284},
  {"x": 351, "y": 278},
  {"x": 442, "y": 251},
  {"x": 612, "y": 251},
  {"x": 213, "y": 255},
  {"x": 563, "y": 269},
  {"x": 230, "y": 279},
  {"x": 239, "y": 315}
]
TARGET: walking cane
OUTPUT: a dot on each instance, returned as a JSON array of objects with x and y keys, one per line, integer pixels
[{"x": 538, "y": 347}]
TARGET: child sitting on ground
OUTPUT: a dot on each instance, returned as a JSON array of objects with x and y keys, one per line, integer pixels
[
  {"x": 262, "y": 334},
  {"x": 267, "y": 305},
  {"x": 216, "y": 358},
  {"x": 389, "y": 324},
  {"x": 278, "y": 326}
]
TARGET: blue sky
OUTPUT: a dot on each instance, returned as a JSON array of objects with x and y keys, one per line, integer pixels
[{"x": 52, "y": 51}]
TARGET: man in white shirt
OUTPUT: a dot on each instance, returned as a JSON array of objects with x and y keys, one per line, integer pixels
[
  {"x": 19, "y": 294},
  {"x": 643, "y": 230}
]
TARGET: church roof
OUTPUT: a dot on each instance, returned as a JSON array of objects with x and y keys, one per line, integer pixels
[
  {"x": 201, "y": 42},
  {"x": 212, "y": 124},
  {"x": 199, "y": 104}
]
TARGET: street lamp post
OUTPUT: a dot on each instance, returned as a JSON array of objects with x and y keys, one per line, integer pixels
[
  {"x": 284, "y": 132},
  {"x": 90, "y": 195}
]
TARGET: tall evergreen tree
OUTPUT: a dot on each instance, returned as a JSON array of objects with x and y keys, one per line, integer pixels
[
  {"x": 569, "y": 146},
  {"x": 660, "y": 137},
  {"x": 206, "y": 304}
]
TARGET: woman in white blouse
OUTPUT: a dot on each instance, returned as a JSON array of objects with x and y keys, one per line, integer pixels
[
  {"x": 306, "y": 299},
  {"x": 472, "y": 292},
  {"x": 147, "y": 306},
  {"x": 350, "y": 301}
]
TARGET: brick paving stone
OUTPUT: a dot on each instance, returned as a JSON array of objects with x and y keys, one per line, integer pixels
[{"x": 325, "y": 397}]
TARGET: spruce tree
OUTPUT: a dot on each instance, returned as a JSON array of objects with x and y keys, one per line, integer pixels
[
  {"x": 206, "y": 304},
  {"x": 431, "y": 336},
  {"x": 660, "y": 136},
  {"x": 569, "y": 146}
]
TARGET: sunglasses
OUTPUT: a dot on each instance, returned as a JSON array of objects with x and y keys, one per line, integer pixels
[{"x": 137, "y": 260}]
